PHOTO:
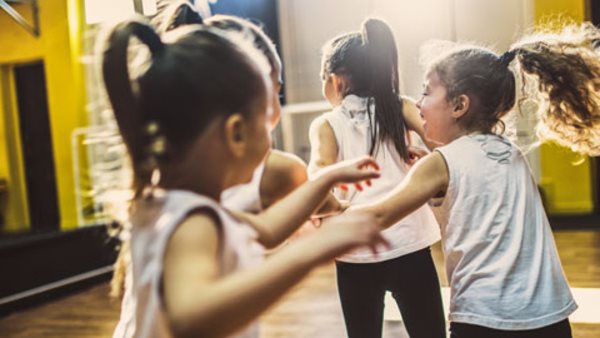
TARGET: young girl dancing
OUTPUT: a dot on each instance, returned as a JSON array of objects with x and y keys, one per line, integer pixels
[
  {"x": 360, "y": 80},
  {"x": 504, "y": 272},
  {"x": 195, "y": 121}
]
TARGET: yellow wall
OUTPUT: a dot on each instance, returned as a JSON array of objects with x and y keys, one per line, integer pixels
[
  {"x": 59, "y": 46},
  {"x": 565, "y": 177}
]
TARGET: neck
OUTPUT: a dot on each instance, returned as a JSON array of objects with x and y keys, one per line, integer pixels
[{"x": 181, "y": 178}]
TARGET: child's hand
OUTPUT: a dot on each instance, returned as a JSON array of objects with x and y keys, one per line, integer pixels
[
  {"x": 352, "y": 229},
  {"x": 352, "y": 171},
  {"x": 415, "y": 154}
]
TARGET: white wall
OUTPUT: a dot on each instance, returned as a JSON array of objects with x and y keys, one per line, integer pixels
[{"x": 307, "y": 24}]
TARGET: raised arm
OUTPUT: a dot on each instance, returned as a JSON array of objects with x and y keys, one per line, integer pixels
[
  {"x": 427, "y": 178},
  {"x": 279, "y": 221},
  {"x": 283, "y": 173},
  {"x": 323, "y": 146}
]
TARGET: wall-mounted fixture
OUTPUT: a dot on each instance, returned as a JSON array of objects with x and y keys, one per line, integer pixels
[
  {"x": 33, "y": 27},
  {"x": 97, "y": 11}
]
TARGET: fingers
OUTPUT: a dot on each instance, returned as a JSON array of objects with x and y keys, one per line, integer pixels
[{"x": 367, "y": 162}]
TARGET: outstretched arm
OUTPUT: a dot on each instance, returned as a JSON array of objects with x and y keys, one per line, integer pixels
[
  {"x": 427, "y": 178},
  {"x": 197, "y": 297},
  {"x": 278, "y": 222}
]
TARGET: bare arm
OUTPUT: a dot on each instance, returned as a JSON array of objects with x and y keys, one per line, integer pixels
[
  {"x": 323, "y": 146},
  {"x": 427, "y": 178},
  {"x": 197, "y": 297},
  {"x": 279, "y": 221},
  {"x": 283, "y": 173}
]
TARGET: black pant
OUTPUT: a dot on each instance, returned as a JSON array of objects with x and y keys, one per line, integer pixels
[
  {"x": 413, "y": 282},
  {"x": 561, "y": 329}
]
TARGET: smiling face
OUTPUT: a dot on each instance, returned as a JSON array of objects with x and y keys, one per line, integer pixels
[{"x": 437, "y": 112}]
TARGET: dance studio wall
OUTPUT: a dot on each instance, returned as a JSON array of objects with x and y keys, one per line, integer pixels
[
  {"x": 305, "y": 25},
  {"x": 58, "y": 47}
]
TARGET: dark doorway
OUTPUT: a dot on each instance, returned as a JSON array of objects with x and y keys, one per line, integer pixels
[
  {"x": 595, "y": 15},
  {"x": 261, "y": 12},
  {"x": 36, "y": 144}
]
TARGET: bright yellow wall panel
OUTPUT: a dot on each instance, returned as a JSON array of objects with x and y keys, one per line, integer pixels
[{"x": 59, "y": 46}]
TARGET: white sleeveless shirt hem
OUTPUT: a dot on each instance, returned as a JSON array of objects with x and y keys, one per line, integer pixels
[{"x": 512, "y": 324}]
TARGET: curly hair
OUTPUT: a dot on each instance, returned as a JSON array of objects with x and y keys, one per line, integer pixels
[{"x": 566, "y": 67}]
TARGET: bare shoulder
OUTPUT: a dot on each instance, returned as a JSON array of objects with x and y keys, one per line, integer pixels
[
  {"x": 283, "y": 173},
  {"x": 433, "y": 169},
  {"x": 320, "y": 127},
  {"x": 281, "y": 161},
  {"x": 198, "y": 233}
]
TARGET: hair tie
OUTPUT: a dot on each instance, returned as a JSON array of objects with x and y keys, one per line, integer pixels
[{"x": 506, "y": 58}]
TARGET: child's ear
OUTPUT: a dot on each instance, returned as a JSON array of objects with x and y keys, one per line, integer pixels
[
  {"x": 461, "y": 106},
  {"x": 236, "y": 134},
  {"x": 340, "y": 84}
]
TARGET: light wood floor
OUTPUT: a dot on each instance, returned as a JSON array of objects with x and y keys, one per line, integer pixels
[{"x": 310, "y": 310}]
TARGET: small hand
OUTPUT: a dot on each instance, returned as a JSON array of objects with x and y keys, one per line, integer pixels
[
  {"x": 415, "y": 154},
  {"x": 353, "y": 171},
  {"x": 355, "y": 229}
]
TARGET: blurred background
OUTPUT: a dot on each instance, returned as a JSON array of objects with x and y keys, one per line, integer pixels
[{"x": 58, "y": 140}]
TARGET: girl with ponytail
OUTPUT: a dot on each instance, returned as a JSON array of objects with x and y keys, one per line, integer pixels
[
  {"x": 361, "y": 81},
  {"x": 194, "y": 119},
  {"x": 502, "y": 266}
]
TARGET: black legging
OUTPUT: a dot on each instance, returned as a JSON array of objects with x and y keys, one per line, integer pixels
[
  {"x": 561, "y": 329},
  {"x": 413, "y": 282}
]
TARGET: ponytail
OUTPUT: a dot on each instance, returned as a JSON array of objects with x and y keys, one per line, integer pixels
[
  {"x": 383, "y": 77},
  {"x": 125, "y": 106},
  {"x": 569, "y": 79}
]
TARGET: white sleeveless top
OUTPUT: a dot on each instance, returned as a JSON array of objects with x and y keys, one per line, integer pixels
[
  {"x": 501, "y": 260},
  {"x": 152, "y": 227},
  {"x": 245, "y": 197},
  {"x": 350, "y": 124}
]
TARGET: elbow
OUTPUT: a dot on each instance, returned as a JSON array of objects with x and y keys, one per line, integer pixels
[
  {"x": 184, "y": 328},
  {"x": 269, "y": 241}
]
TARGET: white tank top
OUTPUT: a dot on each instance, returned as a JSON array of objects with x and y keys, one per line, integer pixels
[
  {"x": 245, "y": 197},
  {"x": 501, "y": 260},
  {"x": 350, "y": 124},
  {"x": 153, "y": 226}
]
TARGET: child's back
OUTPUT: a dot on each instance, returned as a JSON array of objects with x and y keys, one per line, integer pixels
[
  {"x": 154, "y": 222},
  {"x": 352, "y": 129},
  {"x": 501, "y": 260}
]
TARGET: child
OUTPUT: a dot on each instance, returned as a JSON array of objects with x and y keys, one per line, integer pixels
[
  {"x": 281, "y": 172},
  {"x": 196, "y": 122},
  {"x": 504, "y": 272},
  {"x": 360, "y": 79}
]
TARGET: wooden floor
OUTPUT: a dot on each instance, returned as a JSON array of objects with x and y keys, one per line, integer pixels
[{"x": 310, "y": 310}]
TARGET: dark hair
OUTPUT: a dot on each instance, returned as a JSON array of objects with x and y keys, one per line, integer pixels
[
  {"x": 260, "y": 39},
  {"x": 485, "y": 78},
  {"x": 369, "y": 62},
  {"x": 199, "y": 75},
  {"x": 182, "y": 13},
  {"x": 566, "y": 67}
]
